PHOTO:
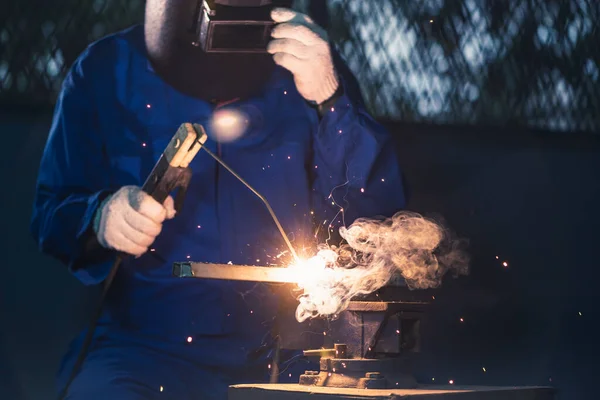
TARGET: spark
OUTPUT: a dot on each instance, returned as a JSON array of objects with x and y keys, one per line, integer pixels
[
  {"x": 580, "y": 314},
  {"x": 251, "y": 312},
  {"x": 289, "y": 157},
  {"x": 340, "y": 131},
  {"x": 199, "y": 226},
  {"x": 143, "y": 144},
  {"x": 189, "y": 339},
  {"x": 332, "y": 109},
  {"x": 382, "y": 179},
  {"x": 333, "y": 202},
  {"x": 316, "y": 166},
  {"x": 269, "y": 366},
  {"x": 398, "y": 331},
  {"x": 285, "y": 92},
  {"x": 148, "y": 106},
  {"x": 188, "y": 257},
  {"x": 152, "y": 249},
  {"x": 362, "y": 190},
  {"x": 333, "y": 369},
  {"x": 451, "y": 381},
  {"x": 431, "y": 21},
  {"x": 290, "y": 375},
  {"x": 497, "y": 257},
  {"x": 258, "y": 260},
  {"x": 433, "y": 379},
  {"x": 329, "y": 374},
  {"x": 161, "y": 389},
  {"x": 484, "y": 370},
  {"x": 462, "y": 320},
  {"x": 505, "y": 264},
  {"x": 324, "y": 333}
]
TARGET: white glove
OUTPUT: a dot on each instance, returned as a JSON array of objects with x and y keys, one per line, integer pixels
[
  {"x": 130, "y": 220},
  {"x": 302, "y": 47}
]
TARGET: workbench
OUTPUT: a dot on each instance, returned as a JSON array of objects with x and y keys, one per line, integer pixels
[{"x": 426, "y": 392}]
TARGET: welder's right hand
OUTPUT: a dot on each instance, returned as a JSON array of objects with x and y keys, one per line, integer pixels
[{"x": 129, "y": 220}]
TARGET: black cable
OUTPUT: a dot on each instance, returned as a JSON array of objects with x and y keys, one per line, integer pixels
[{"x": 93, "y": 322}]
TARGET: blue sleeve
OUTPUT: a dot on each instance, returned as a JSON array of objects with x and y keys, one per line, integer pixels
[
  {"x": 356, "y": 166},
  {"x": 72, "y": 180}
]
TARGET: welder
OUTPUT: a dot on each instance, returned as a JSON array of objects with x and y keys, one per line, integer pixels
[{"x": 309, "y": 147}]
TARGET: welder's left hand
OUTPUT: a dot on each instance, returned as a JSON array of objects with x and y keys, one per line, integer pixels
[{"x": 302, "y": 47}]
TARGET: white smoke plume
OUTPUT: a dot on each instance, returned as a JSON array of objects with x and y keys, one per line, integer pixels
[{"x": 420, "y": 249}]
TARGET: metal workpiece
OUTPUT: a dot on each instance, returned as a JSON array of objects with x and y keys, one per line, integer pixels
[{"x": 230, "y": 272}]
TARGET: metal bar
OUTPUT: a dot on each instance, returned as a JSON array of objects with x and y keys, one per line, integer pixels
[
  {"x": 234, "y": 272},
  {"x": 381, "y": 306},
  {"x": 325, "y": 353}
]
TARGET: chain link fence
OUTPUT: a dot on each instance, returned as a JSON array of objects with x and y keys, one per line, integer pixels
[{"x": 523, "y": 63}]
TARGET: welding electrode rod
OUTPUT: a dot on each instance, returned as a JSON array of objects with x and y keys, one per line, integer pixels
[{"x": 260, "y": 196}]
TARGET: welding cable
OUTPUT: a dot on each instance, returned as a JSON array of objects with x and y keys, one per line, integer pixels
[{"x": 93, "y": 322}]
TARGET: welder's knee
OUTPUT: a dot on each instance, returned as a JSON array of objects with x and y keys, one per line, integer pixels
[
  {"x": 113, "y": 378},
  {"x": 122, "y": 389}
]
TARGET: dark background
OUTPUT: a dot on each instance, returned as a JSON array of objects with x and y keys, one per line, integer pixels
[{"x": 513, "y": 168}]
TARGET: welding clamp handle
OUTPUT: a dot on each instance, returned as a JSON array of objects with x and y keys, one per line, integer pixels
[{"x": 164, "y": 179}]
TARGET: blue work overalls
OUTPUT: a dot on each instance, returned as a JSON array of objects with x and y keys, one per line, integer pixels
[{"x": 167, "y": 337}]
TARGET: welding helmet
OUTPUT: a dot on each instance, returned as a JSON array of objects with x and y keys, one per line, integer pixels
[{"x": 211, "y": 49}]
